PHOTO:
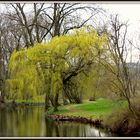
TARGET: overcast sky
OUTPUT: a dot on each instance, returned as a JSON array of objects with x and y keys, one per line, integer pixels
[{"x": 129, "y": 12}]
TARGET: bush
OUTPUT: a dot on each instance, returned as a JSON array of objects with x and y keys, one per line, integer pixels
[{"x": 123, "y": 122}]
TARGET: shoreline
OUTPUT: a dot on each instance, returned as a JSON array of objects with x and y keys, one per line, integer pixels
[
  {"x": 11, "y": 105},
  {"x": 78, "y": 119},
  {"x": 97, "y": 122},
  {"x": 94, "y": 122}
]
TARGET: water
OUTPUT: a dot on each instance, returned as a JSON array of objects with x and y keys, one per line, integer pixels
[{"x": 31, "y": 122}]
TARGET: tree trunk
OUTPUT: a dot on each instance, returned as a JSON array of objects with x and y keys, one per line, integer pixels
[
  {"x": 56, "y": 102},
  {"x": 56, "y": 18},
  {"x": 47, "y": 104},
  {"x": 1, "y": 76}
]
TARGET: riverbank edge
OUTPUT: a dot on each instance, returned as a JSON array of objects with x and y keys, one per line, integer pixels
[
  {"x": 78, "y": 119},
  {"x": 65, "y": 118},
  {"x": 94, "y": 122},
  {"x": 14, "y": 104}
]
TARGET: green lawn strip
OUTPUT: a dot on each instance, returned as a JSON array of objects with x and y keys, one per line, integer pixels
[
  {"x": 94, "y": 109},
  {"x": 38, "y": 99}
]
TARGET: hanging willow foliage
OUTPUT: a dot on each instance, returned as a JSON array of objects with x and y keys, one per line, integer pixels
[{"x": 46, "y": 67}]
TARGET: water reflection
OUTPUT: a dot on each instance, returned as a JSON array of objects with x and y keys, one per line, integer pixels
[
  {"x": 31, "y": 121},
  {"x": 71, "y": 129}
]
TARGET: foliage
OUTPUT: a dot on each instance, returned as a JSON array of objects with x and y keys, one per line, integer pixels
[
  {"x": 24, "y": 81},
  {"x": 123, "y": 121},
  {"x": 48, "y": 67}
]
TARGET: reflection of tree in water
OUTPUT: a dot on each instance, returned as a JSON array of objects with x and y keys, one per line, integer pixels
[
  {"x": 64, "y": 129},
  {"x": 71, "y": 129},
  {"x": 49, "y": 127},
  {"x": 22, "y": 121},
  {"x": 2, "y": 122},
  {"x": 99, "y": 133},
  {"x": 7, "y": 122},
  {"x": 57, "y": 130},
  {"x": 27, "y": 121}
]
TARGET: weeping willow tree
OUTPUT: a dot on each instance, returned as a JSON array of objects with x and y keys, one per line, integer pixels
[
  {"x": 24, "y": 82},
  {"x": 51, "y": 68}
]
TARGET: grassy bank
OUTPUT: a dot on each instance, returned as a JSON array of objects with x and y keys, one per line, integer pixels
[
  {"x": 98, "y": 109},
  {"x": 38, "y": 99}
]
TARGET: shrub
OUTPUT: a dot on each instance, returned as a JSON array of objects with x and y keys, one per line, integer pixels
[{"x": 123, "y": 122}]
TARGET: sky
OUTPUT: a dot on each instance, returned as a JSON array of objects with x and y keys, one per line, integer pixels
[{"x": 130, "y": 13}]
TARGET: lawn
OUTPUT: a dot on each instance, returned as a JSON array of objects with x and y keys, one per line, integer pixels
[{"x": 90, "y": 109}]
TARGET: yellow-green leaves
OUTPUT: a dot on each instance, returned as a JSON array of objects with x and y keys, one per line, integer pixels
[{"x": 34, "y": 67}]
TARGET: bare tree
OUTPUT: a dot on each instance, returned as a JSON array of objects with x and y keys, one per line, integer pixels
[
  {"x": 125, "y": 78},
  {"x": 48, "y": 20},
  {"x": 65, "y": 16},
  {"x": 1, "y": 75},
  {"x": 2, "y": 70},
  {"x": 26, "y": 22}
]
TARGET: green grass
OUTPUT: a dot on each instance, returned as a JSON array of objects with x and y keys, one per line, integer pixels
[{"x": 98, "y": 109}]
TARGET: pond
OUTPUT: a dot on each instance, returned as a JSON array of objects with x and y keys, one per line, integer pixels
[{"x": 31, "y": 122}]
